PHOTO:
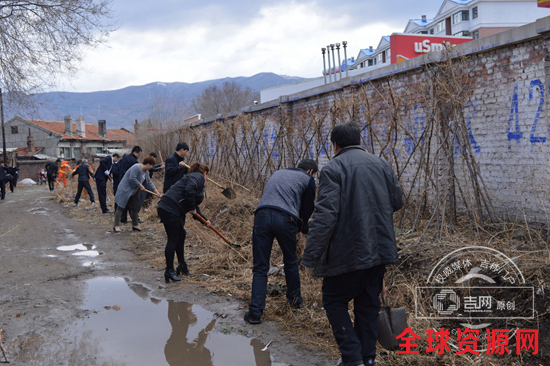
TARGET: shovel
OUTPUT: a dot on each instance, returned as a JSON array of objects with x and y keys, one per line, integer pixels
[
  {"x": 201, "y": 219},
  {"x": 227, "y": 192},
  {"x": 391, "y": 323},
  {"x": 153, "y": 193}
]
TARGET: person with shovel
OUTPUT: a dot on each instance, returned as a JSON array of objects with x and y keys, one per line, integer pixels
[
  {"x": 351, "y": 239},
  {"x": 135, "y": 179},
  {"x": 284, "y": 209},
  {"x": 184, "y": 196},
  {"x": 175, "y": 167}
]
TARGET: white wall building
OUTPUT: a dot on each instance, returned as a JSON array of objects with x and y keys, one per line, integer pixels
[{"x": 477, "y": 18}]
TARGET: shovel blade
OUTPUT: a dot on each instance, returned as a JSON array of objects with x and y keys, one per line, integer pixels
[
  {"x": 229, "y": 193},
  {"x": 391, "y": 323}
]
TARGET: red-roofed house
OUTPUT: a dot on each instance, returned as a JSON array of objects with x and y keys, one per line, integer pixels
[{"x": 73, "y": 140}]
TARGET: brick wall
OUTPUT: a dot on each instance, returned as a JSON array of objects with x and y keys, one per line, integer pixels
[{"x": 481, "y": 115}]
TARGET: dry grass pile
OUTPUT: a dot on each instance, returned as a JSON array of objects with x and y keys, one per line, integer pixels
[{"x": 226, "y": 271}]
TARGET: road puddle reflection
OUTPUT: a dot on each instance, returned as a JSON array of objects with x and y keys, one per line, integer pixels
[
  {"x": 69, "y": 248},
  {"x": 130, "y": 327}
]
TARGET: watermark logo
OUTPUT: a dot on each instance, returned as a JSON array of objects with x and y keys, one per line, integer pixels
[{"x": 477, "y": 288}]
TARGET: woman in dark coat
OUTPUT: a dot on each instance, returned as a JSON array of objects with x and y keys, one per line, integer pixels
[{"x": 184, "y": 196}]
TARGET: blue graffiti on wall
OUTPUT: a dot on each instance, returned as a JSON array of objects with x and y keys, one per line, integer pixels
[
  {"x": 536, "y": 84},
  {"x": 469, "y": 116},
  {"x": 414, "y": 128},
  {"x": 514, "y": 133},
  {"x": 514, "y": 119}
]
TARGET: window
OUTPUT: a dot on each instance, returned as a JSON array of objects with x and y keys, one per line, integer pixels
[
  {"x": 475, "y": 35},
  {"x": 432, "y": 31},
  {"x": 388, "y": 54},
  {"x": 462, "y": 34},
  {"x": 14, "y": 129},
  {"x": 379, "y": 58},
  {"x": 440, "y": 26},
  {"x": 474, "y": 12},
  {"x": 371, "y": 62},
  {"x": 461, "y": 16},
  {"x": 423, "y": 32},
  {"x": 98, "y": 150}
]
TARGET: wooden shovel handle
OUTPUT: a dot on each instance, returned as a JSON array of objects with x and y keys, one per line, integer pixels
[
  {"x": 201, "y": 219},
  {"x": 210, "y": 180},
  {"x": 153, "y": 193}
]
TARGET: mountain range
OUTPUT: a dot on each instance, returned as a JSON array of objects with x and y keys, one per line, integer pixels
[{"x": 121, "y": 107}]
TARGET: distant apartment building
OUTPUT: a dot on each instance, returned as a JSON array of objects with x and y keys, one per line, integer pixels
[
  {"x": 455, "y": 18},
  {"x": 477, "y": 18}
]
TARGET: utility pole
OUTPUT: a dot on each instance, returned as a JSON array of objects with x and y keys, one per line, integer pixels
[{"x": 3, "y": 130}]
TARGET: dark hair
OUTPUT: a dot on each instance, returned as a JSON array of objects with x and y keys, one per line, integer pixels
[
  {"x": 78, "y": 162},
  {"x": 136, "y": 149},
  {"x": 153, "y": 155},
  {"x": 58, "y": 161},
  {"x": 346, "y": 134},
  {"x": 199, "y": 168},
  {"x": 182, "y": 145},
  {"x": 308, "y": 164},
  {"x": 115, "y": 155},
  {"x": 149, "y": 160}
]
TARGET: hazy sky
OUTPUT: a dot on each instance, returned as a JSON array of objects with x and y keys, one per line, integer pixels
[{"x": 189, "y": 41}]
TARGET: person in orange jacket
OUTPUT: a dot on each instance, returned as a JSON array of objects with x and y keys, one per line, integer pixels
[{"x": 64, "y": 171}]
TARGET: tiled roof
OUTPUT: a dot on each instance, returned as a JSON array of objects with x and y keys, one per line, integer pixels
[
  {"x": 24, "y": 151},
  {"x": 92, "y": 132},
  {"x": 125, "y": 134}
]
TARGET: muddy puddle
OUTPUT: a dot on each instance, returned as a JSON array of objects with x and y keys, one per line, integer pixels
[
  {"x": 128, "y": 327},
  {"x": 80, "y": 250}
]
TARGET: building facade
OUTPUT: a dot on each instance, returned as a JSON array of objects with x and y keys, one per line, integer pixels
[{"x": 66, "y": 139}]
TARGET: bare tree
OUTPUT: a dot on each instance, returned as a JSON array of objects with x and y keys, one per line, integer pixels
[
  {"x": 230, "y": 97},
  {"x": 42, "y": 39}
]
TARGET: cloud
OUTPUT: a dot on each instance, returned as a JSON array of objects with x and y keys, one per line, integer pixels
[{"x": 188, "y": 41}]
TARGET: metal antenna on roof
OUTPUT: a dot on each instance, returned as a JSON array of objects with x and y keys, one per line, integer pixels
[
  {"x": 323, "y": 50},
  {"x": 333, "y": 59},
  {"x": 346, "y": 56},
  {"x": 339, "y": 61},
  {"x": 329, "y": 69}
]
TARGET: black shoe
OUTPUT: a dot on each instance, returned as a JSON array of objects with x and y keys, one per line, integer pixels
[
  {"x": 117, "y": 231},
  {"x": 141, "y": 221},
  {"x": 370, "y": 362},
  {"x": 252, "y": 319},
  {"x": 136, "y": 228},
  {"x": 169, "y": 274},
  {"x": 296, "y": 303},
  {"x": 182, "y": 269},
  {"x": 124, "y": 221}
]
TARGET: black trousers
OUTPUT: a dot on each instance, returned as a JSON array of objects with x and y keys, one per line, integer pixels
[
  {"x": 13, "y": 182},
  {"x": 173, "y": 226},
  {"x": 2, "y": 188},
  {"x": 51, "y": 183},
  {"x": 357, "y": 342},
  {"x": 81, "y": 186},
  {"x": 102, "y": 194}
]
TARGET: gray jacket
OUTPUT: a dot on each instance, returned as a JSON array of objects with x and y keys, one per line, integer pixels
[
  {"x": 130, "y": 182},
  {"x": 352, "y": 225}
]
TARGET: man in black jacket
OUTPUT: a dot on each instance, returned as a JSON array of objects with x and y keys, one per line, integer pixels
[
  {"x": 351, "y": 239},
  {"x": 84, "y": 173},
  {"x": 175, "y": 167},
  {"x": 51, "y": 172},
  {"x": 121, "y": 169},
  {"x": 101, "y": 176},
  {"x": 3, "y": 173},
  {"x": 284, "y": 209},
  {"x": 14, "y": 172}
]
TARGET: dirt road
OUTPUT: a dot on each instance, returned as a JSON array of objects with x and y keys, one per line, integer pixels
[{"x": 43, "y": 288}]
